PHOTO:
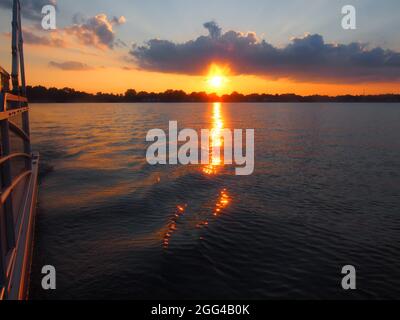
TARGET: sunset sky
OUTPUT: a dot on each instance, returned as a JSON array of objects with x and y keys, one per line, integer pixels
[{"x": 218, "y": 46}]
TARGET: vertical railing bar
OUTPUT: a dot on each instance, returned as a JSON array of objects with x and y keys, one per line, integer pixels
[
  {"x": 3, "y": 239},
  {"x": 21, "y": 53},
  {"x": 3, "y": 101},
  {"x": 14, "y": 48},
  {"x": 7, "y": 181},
  {"x": 25, "y": 115},
  {"x": 2, "y": 252},
  {"x": 27, "y": 143}
]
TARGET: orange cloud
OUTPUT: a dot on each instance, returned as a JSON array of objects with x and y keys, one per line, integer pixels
[{"x": 97, "y": 31}]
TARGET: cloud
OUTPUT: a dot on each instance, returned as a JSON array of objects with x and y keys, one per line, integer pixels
[
  {"x": 213, "y": 29},
  {"x": 118, "y": 21},
  {"x": 49, "y": 40},
  {"x": 70, "y": 66},
  {"x": 307, "y": 58},
  {"x": 97, "y": 31},
  {"x": 31, "y": 9},
  {"x": 52, "y": 39}
]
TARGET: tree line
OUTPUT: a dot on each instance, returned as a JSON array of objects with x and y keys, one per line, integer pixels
[{"x": 44, "y": 95}]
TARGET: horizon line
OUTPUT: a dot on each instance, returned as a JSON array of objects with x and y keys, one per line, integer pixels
[
  {"x": 220, "y": 95},
  {"x": 43, "y": 94}
]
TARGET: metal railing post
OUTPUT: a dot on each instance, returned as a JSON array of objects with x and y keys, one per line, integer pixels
[
  {"x": 14, "y": 48},
  {"x": 18, "y": 63},
  {"x": 21, "y": 53},
  {"x": 27, "y": 143},
  {"x": 6, "y": 182},
  {"x": 3, "y": 250},
  {"x": 3, "y": 231}
]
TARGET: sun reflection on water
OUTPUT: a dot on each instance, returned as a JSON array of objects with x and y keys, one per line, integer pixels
[
  {"x": 215, "y": 140},
  {"x": 222, "y": 197},
  {"x": 221, "y": 203},
  {"x": 172, "y": 227}
]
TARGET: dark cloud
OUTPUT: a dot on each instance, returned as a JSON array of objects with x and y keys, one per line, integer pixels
[
  {"x": 307, "y": 58},
  {"x": 97, "y": 31},
  {"x": 213, "y": 29},
  {"x": 70, "y": 65},
  {"x": 31, "y": 9}
]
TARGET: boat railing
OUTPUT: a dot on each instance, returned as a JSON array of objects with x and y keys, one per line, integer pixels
[
  {"x": 15, "y": 171},
  {"x": 18, "y": 173}
]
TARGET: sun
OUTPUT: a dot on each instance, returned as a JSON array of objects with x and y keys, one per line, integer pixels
[
  {"x": 217, "y": 77},
  {"x": 216, "y": 81}
]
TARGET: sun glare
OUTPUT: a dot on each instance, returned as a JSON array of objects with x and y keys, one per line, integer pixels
[
  {"x": 217, "y": 77},
  {"x": 216, "y": 81}
]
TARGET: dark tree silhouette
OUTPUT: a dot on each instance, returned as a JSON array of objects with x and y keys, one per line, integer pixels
[{"x": 43, "y": 94}]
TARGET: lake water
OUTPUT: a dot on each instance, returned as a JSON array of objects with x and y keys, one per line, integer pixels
[{"x": 325, "y": 193}]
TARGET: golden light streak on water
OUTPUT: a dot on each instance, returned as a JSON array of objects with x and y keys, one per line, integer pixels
[
  {"x": 172, "y": 226},
  {"x": 215, "y": 162},
  {"x": 222, "y": 202},
  {"x": 215, "y": 140}
]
